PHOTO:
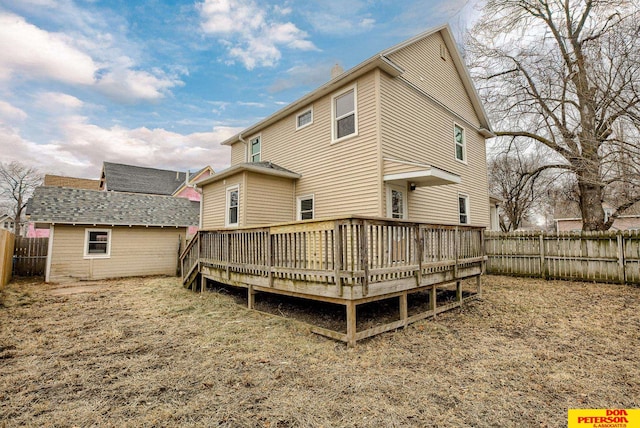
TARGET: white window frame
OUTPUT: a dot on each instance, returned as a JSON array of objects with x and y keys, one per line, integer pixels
[
  {"x": 302, "y": 113},
  {"x": 227, "y": 205},
  {"x": 334, "y": 119},
  {"x": 464, "y": 143},
  {"x": 405, "y": 205},
  {"x": 87, "y": 254},
  {"x": 250, "y": 154},
  {"x": 467, "y": 208},
  {"x": 313, "y": 207}
]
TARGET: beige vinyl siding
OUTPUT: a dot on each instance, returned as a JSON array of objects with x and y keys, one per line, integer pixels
[
  {"x": 135, "y": 251},
  {"x": 273, "y": 199},
  {"x": 214, "y": 200},
  {"x": 416, "y": 130},
  {"x": 439, "y": 78},
  {"x": 394, "y": 167},
  {"x": 343, "y": 175},
  {"x": 238, "y": 152}
]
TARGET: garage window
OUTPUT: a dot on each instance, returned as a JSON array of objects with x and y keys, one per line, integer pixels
[{"x": 97, "y": 243}]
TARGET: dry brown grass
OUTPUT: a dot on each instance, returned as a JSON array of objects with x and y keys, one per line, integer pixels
[{"x": 146, "y": 352}]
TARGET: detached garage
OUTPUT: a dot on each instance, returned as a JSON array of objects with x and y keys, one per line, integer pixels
[{"x": 99, "y": 235}]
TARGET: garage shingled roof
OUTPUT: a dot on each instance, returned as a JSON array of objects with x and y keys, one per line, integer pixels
[{"x": 78, "y": 206}]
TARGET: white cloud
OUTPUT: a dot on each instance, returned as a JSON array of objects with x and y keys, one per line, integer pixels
[
  {"x": 282, "y": 10},
  {"x": 84, "y": 146},
  {"x": 250, "y": 104},
  {"x": 328, "y": 23},
  {"x": 339, "y": 17},
  {"x": 30, "y": 51},
  {"x": 91, "y": 60},
  {"x": 11, "y": 113},
  {"x": 251, "y": 36},
  {"x": 146, "y": 147},
  {"x": 136, "y": 85},
  {"x": 219, "y": 106},
  {"x": 304, "y": 75},
  {"x": 54, "y": 101}
]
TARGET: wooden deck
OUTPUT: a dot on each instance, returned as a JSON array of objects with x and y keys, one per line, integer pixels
[{"x": 348, "y": 261}]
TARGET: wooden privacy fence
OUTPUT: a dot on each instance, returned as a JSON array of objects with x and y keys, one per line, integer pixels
[
  {"x": 6, "y": 256},
  {"x": 587, "y": 256},
  {"x": 30, "y": 256}
]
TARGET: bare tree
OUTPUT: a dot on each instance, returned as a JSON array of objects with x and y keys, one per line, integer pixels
[
  {"x": 521, "y": 184},
  {"x": 17, "y": 183},
  {"x": 563, "y": 75}
]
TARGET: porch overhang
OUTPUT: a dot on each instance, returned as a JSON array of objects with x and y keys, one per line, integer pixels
[{"x": 428, "y": 176}]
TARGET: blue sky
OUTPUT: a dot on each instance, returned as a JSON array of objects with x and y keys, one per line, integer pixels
[{"x": 161, "y": 83}]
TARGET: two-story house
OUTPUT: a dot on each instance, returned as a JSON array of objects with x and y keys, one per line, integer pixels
[{"x": 401, "y": 135}]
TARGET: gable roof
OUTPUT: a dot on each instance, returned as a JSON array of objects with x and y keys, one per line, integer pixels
[
  {"x": 58, "y": 205},
  {"x": 73, "y": 182},
  {"x": 382, "y": 62},
  {"x": 266, "y": 168},
  {"x": 193, "y": 178},
  {"x": 119, "y": 177}
]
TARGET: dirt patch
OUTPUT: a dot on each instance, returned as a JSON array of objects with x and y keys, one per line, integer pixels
[
  {"x": 76, "y": 289},
  {"x": 146, "y": 352}
]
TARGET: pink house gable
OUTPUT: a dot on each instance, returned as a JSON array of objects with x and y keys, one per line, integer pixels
[
  {"x": 189, "y": 191},
  {"x": 36, "y": 233}
]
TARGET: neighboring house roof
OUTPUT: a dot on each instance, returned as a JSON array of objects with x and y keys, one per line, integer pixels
[
  {"x": 570, "y": 210},
  {"x": 193, "y": 178},
  {"x": 72, "y": 182},
  {"x": 137, "y": 179},
  {"x": 58, "y": 205},
  {"x": 381, "y": 61},
  {"x": 266, "y": 168}
]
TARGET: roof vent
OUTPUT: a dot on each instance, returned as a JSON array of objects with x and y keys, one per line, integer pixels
[{"x": 336, "y": 71}]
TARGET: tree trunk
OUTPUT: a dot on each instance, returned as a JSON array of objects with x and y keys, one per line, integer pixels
[{"x": 591, "y": 205}]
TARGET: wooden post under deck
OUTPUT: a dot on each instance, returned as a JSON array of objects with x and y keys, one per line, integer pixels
[
  {"x": 432, "y": 299},
  {"x": 404, "y": 312},
  {"x": 251, "y": 297},
  {"x": 351, "y": 323}
]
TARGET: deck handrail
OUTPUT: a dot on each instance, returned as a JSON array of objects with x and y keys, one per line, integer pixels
[
  {"x": 190, "y": 257},
  {"x": 342, "y": 251}
]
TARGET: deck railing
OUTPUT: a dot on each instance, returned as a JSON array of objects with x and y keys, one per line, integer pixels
[{"x": 344, "y": 252}]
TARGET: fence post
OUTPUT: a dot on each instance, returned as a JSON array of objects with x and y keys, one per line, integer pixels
[
  {"x": 543, "y": 260},
  {"x": 621, "y": 262}
]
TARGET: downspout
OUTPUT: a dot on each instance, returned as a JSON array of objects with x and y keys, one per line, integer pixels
[
  {"x": 246, "y": 153},
  {"x": 201, "y": 206}
]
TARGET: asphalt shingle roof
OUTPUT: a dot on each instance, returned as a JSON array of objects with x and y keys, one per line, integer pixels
[
  {"x": 138, "y": 179},
  {"x": 74, "y": 182},
  {"x": 79, "y": 206}
]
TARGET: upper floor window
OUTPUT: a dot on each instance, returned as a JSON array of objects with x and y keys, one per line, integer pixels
[
  {"x": 305, "y": 207},
  {"x": 463, "y": 208},
  {"x": 304, "y": 119},
  {"x": 233, "y": 205},
  {"x": 343, "y": 109},
  {"x": 459, "y": 137},
  {"x": 255, "y": 149},
  {"x": 97, "y": 243}
]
